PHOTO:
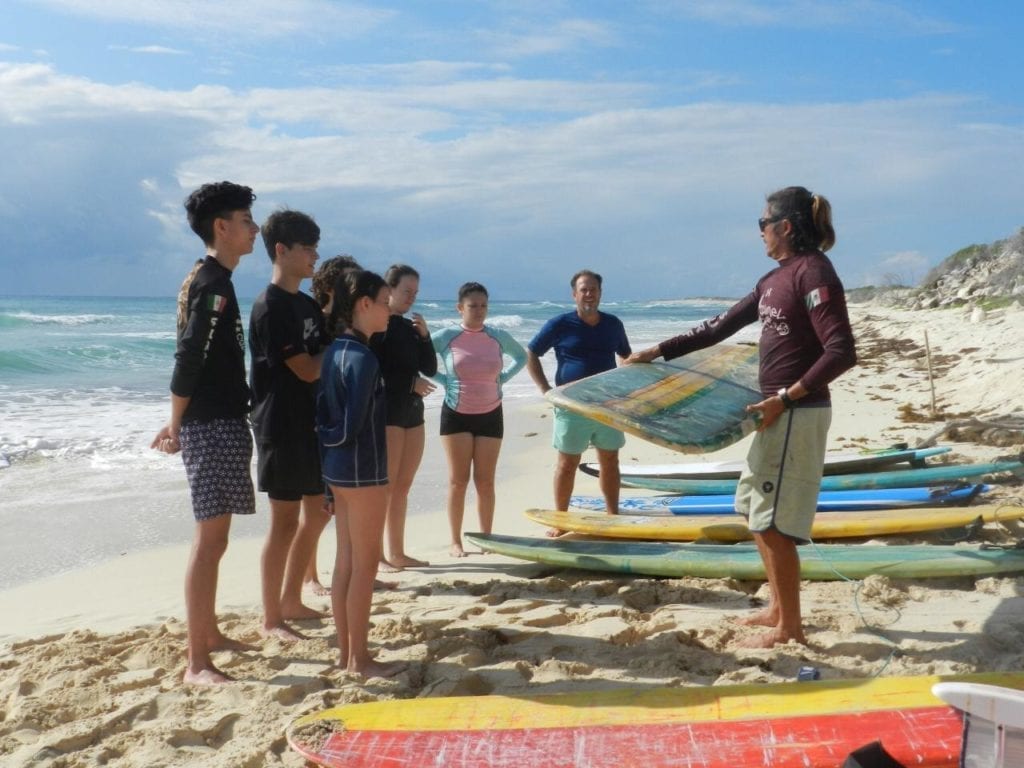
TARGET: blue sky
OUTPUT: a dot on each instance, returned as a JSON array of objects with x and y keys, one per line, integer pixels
[{"x": 507, "y": 142}]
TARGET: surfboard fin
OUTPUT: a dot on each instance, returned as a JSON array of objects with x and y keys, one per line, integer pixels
[{"x": 871, "y": 755}]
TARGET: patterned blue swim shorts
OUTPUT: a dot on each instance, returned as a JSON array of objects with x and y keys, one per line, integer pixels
[{"x": 217, "y": 457}]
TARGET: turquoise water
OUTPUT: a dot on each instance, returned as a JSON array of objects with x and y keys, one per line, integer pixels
[{"x": 83, "y": 389}]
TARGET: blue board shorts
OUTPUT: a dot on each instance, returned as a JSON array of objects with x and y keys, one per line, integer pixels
[
  {"x": 217, "y": 455},
  {"x": 779, "y": 488},
  {"x": 573, "y": 434}
]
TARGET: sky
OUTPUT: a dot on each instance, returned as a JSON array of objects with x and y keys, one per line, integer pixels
[{"x": 505, "y": 142}]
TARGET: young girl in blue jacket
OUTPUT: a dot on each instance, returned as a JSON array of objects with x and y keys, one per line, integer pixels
[{"x": 350, "y": 424}]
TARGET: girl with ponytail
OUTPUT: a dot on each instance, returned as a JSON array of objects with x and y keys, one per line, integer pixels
[{"x": 350, "y": 424}]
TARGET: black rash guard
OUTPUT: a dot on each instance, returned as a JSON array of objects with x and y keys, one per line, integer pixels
[{"x": 209, "y": 364}]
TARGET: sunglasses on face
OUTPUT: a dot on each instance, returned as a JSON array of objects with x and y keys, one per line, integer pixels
[{"x": 762, "y": 223}]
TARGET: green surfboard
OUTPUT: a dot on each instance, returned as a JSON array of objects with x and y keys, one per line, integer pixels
[{"x": 818, "y": 562}]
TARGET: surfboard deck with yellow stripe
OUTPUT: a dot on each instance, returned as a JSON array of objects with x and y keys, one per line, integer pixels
[
  {"x": 694, "y": 405},
  {"x": 730, "y": 528},
  {"x": 785, "y": 725}
]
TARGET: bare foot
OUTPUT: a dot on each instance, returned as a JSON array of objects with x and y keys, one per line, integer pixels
[
  {"x": 379, "y": 585},
  {"x": 554, "y": 533},
  {"x": 771, "y": 639},
  {"x": 300, "y": 612},
  {"x": 456, "y": 550},
  {"x": 385, "y": 567},
  {"x": 377, "y": 669},
  {"x": 219, "y": 642},
  {"x": 317, "y": 588},
  {"x": 763, "y": 618},
  {"x": 281, "y": 632},
  {"x": 211, "y": 676},
  {"x": 404, "y": 561}
]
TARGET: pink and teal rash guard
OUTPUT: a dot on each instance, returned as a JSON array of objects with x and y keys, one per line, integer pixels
[{"x": 475, "y": 367}]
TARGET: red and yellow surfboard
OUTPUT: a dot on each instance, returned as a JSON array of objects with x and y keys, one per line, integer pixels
[{"x": 785, "y": 725}]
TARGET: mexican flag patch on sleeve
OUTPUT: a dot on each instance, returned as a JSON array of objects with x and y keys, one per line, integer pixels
[{"x": 816, "y": 297}]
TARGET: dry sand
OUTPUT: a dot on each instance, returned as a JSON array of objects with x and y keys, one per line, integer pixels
[{"x": 91, "y": 661}]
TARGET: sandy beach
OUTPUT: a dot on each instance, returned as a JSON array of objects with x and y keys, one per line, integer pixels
[{"x": 91, "y": 660}]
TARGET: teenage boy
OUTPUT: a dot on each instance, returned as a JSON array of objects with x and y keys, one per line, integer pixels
[
  {"x": 286, "y": 339},
  {"x": 209, "y": 405}
]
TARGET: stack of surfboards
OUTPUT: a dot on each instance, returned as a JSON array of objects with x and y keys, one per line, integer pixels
[
  {"x": 860, "y": 472},
  {"x": 785, "y": 725},
  {"x": 698, "y": 405}
]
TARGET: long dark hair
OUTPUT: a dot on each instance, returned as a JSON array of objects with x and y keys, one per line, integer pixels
[
  {"x": 327, "y": 275},
  {"x": 348, "y": 289},
  {"x": 809, "y": 214}
]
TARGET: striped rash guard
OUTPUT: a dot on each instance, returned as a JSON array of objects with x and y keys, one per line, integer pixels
[{"x": 474, "y": 366}]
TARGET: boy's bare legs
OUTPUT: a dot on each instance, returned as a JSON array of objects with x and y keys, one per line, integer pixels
[
  {"x": 208, "y": 546},
  {"x": 359, "y": 542},
  {"x": 311, "y": 578},
  {"x": 284, "y": 521},
  {"x": 303, "y": 549},
  {"x": 459, "y": 448},
  {"x": 405, "y": 450}
]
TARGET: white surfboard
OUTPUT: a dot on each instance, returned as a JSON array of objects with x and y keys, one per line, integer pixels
[{"x": 993, "y": 723}]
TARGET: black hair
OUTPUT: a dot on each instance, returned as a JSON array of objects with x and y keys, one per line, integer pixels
[
  {"x": 289, "y": 228},
  {"x": 216, "y": 200},
  {"x": 348, "y": 289},
  {"x": 809, "y": 214},
  {"x": 327, "y": 274},
  {"x": 467, "y": 288}
]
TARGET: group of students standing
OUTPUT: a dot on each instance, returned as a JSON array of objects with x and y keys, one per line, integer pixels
[
  {"x": 336, "y": 392},
  {"x": 337, "y": 386}
]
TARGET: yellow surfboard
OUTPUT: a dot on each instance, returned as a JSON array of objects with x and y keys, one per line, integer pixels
[
  {"x": 827, "y": 525},
  {"x": 785, "y": 725}
]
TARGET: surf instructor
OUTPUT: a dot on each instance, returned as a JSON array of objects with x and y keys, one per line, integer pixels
[
  {"x": 806, "y": 342},
  {"x": 586, "y": 341}
]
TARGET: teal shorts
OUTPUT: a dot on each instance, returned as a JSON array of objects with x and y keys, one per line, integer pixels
[{"x": 573, "y": 434}]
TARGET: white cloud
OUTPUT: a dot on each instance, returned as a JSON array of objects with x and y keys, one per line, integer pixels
[
  {"x": 160, "y": 50},
  {"x": 861, "y": 14},
  {"x": 514, "y": 176},
  {"x": 7, "y": 47},
  {"x": 260, "y": 18},
  {"x": 420, "y": 72},
  {"x": 897, "y": 269},
  {"x": 519, "y": 40}
]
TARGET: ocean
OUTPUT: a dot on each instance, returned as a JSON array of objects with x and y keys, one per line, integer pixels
[{"x": 84, "y": 388}]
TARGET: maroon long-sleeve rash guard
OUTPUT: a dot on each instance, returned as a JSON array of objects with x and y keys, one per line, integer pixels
[{"x": 805, "y": 327}]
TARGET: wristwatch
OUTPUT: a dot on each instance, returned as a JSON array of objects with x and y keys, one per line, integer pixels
[{"x": 787, "y": 401}]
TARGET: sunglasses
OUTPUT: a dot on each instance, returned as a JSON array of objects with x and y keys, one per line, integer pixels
[{"x": 762, "y": 223}]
